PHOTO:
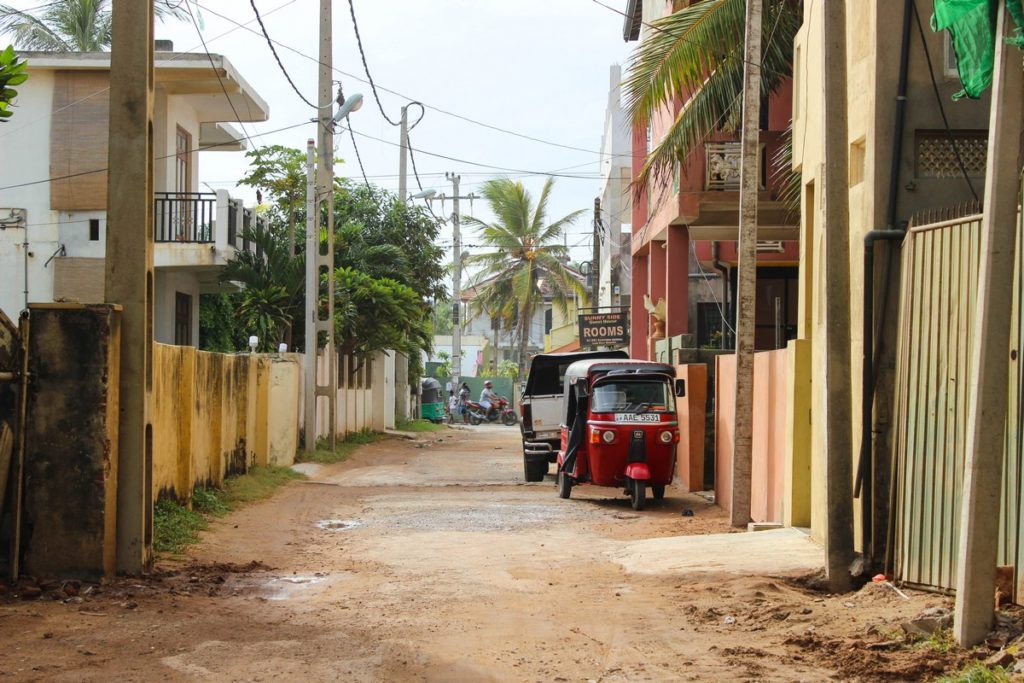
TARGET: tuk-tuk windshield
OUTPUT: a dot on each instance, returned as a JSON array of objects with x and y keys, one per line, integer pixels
[{"x": 632, "y": 396}]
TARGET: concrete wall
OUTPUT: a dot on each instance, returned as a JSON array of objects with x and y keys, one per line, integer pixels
[
  {"x": 691, "y": 413},
  {"x": 770, "y": 454},
  {"x": 361, "y": 399},
  {"x": 216, "y": 414}
]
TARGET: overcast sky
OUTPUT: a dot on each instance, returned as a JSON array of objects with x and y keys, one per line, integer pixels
[{"x": 536, "y": 67}]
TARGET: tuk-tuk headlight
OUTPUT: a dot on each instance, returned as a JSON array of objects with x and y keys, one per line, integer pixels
[
  {"x": 608, "y": 436},
  {"x": 666, "y": 437}
]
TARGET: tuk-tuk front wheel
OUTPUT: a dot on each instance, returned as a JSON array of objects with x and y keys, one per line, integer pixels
[
  {"x": 564, "y": 484},
  {"x": 638, "y": 494}
]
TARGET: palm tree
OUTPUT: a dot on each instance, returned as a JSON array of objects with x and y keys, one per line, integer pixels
[
  {"x": 69, "y": 25},
  {"x": 526, "y": 261},
  {"x": 695, "y": 56}
]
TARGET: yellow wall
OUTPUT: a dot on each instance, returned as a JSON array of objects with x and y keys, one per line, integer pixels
[{"x": 217, "y": 414}]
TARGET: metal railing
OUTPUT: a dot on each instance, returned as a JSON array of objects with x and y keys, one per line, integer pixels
[{"x": 184, "y": 216}]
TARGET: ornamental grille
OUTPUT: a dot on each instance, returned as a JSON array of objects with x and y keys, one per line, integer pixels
[{"x": 937, "y": 159}]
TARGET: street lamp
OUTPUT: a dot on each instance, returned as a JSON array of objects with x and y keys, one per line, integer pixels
[
  {"x": 352, "y": 103},
  {"x": 425, "y": 194}
]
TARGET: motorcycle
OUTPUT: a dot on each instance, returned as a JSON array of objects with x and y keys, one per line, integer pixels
[{"x": 500, "y": 411}]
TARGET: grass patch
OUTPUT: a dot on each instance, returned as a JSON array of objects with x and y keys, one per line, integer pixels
[
  {"x": 323, "y": 455},
  {"x": 978, "y": 673},
  {"x": 419, "y": 426},
  {"x": 176, "y": 526}
]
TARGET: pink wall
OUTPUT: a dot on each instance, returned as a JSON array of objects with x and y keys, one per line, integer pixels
[{"x": 768, "y": 459}]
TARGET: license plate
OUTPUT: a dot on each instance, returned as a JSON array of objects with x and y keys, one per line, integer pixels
[{"x": 642, "y": 417}]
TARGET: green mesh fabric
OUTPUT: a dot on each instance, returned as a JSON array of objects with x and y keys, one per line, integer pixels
[{"x": 972, "y": 27}]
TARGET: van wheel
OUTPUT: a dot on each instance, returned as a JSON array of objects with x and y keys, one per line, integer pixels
[
  {"x": 564, "y": 484},
  {"x": 638, "y": 494},
  {"x": 535, "y": 470},
  {"x": 658, "y": 491}
]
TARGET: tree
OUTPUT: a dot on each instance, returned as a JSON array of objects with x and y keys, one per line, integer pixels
[
  {"x": 12, "y": 72},
  {"x": 376, "y": 314},
  {"x": 527, "y": 260},
  {"x": 281, "y": 171},
  {"x": 695, "y": 56},
  {"x": 70, "y": 25}
]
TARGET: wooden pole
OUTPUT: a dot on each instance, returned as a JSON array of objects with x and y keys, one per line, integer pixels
[
  {"x": 986, "y": 421},
  {"x": 838, "y": 374},
  {"x": 743, "y": 424},
  {"x": 129, "y": 271}
]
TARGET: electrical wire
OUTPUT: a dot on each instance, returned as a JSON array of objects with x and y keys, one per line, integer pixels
[
  {"x": 273, "y": 51},
  {"x": 359, "y": 158},
  {"x": 942, "y": 109},
  {"x": 366, "y": 68}
]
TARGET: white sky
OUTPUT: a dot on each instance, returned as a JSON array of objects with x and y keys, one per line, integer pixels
[{"x": 538, "y": 67}]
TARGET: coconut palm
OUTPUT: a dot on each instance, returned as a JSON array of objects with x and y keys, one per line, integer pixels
[
  {"x": 695, "y": 56},
  {"x": 527, "y": 260},
  {"x": 69, "y": 25}
]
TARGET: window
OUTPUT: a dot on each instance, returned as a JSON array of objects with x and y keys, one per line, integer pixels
[
  {"x": 857, "y": 160},
  {"x": 94, "y": 229},
  {"x": 548, "y": 321},
  {"x": 182, "y": 319},
  {"x": 183, "y": 161},
  {"x": 936, "y": 156},
  {"x": 623, "y": 397},
  {"x": 949, "y": 69}
]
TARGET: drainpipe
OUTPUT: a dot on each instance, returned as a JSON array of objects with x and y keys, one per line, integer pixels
[
  {"x": 865, "y": 467},
  {"x": 725, "y": 271}
]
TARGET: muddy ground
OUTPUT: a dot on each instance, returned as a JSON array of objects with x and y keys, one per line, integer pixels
[{"x": 431, "y": 560}]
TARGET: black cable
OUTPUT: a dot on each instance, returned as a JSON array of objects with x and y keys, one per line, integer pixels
[
  {"x": 942, "y": 109},
  {"x": 273, "y": 51},
  {"x": 341, "y": 96},
  {"x": 216, "y": 73},
  {"x": 366, "y": 68}
]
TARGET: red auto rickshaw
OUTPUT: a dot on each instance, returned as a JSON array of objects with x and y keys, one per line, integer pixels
[{"x": 619, "y": 427}]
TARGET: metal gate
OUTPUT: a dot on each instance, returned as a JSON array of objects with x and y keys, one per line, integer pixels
[{"x": 937, "y": 305}]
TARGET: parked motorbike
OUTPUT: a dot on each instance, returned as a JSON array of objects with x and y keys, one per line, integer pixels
[{"x": 500, "y": 411}]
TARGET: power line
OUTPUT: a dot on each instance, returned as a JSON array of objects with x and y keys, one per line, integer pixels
[
  {"x": 273, "y": 51},
  {"x": 366, "y": 68}
]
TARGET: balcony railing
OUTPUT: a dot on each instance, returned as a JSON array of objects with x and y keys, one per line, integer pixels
[
  {"x": 723, "y": 166},
  {"x": 184, "y": 216}
]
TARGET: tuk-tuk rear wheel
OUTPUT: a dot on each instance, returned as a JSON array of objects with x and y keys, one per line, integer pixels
[
  {"x": 638, "y": 494},
  {"x": 564, "y": 485}
]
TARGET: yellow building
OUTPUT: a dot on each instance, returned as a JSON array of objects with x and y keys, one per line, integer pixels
[{"x": 896, "y": 169}]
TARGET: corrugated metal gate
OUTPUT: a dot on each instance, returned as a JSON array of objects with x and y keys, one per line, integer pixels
[{"x": 938, "y": 292}]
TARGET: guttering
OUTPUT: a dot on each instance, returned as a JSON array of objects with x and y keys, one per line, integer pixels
[{"x": 726, "y": 272}]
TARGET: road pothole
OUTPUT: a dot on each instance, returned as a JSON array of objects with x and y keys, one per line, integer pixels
[{"x": 338, "y": 524}]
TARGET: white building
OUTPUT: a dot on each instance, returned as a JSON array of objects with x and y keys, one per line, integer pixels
[
  {"x": 616, "y": 172},
  {"x": 53, "y": 183}
]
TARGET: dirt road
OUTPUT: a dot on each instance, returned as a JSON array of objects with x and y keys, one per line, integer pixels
[{"x": 431, "y": 560}]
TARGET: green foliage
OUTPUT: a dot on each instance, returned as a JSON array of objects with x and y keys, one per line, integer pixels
[
  {"x": 373, "y": 314},
  {"x": 70, "y": 25},
  {"x": 526, "y": 260},
  {"x": 218, "y": 323},
  {"x": 12, "y": 72},
  {"x": 175, "y": 526},
  {"x": 323, "y": 455},
  {"x": 419, "y": 426},
  {"x": 978, "y": 673},
  {"x": 444, "y": 368},
  {"x": 509, "y": 369},
  {"x": 442, "y": 320},
  {"x": 696, "y": 56}
]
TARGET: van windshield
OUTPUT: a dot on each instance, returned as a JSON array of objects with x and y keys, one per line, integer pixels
[{"x": 631, "y": 397}]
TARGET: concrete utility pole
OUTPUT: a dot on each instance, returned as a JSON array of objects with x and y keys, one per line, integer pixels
[
  {"x": 595, "y": 265},
  {"x": 312, "y": 249},
  {"x": 986, "y": 421},
  {"x": 403, "y": 155},
  {"x": 838, "y": 397},
  {"x": 457, "y": 270},
  {"x": 743, "y": 425},
  {"x": 129, "y": 278},
  {"x": 315, "y": 260}
]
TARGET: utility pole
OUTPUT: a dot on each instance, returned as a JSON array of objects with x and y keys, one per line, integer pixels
[
  {"x": 457, "y": 270},
  {"x": 315, "y": 261},
  {"x": 838, "y": 374},
  {"x": 129, "y": 272},
  {"x": 595, "y": 265},
  {"x": 986, "y": 421},
  {"x": 312, "y": 298},
  {"x": 403, "y": 155},
  {"x": 743, "y": 425}
]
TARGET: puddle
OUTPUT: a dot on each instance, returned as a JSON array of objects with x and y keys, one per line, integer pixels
[
  {"x": 338, "y": 524},
  {"x": 286, "y": 587}
]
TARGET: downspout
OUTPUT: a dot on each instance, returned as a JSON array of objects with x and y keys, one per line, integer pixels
[
  {"x": 863, "y": 487},
  {"x": 724, "y": 270}
]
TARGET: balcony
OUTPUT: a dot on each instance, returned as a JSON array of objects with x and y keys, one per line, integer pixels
[
  {"x": 723, "y": 166},
  {"x": 184, "y": 216},
  {"x": 200, "y": 230}
]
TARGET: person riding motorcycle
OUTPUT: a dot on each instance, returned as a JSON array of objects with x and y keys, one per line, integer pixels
[{"x": 488, "y": 398}]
